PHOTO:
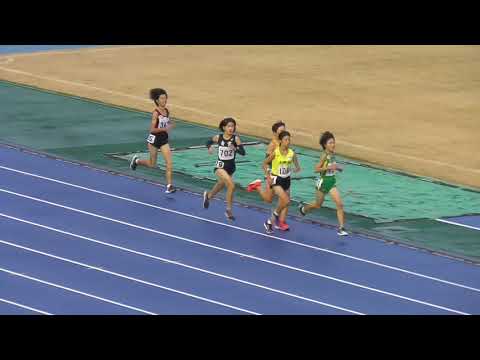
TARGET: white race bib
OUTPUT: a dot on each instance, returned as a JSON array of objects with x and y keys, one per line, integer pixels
[
  {"x": 226, "y": 153},
  {"x": 330, "y": 172},
  {"x": 163, "y": 122},
  {"x": 284, "y": 171},
  {"x": 151, "y": 139}
]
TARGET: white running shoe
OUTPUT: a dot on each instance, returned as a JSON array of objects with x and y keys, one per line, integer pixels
[
  {"x": 170, "y": 189},
  {"x": 206, "y": 201},
  {"x": 268, "y": 226},
  {"x": 133, "y": 163}
]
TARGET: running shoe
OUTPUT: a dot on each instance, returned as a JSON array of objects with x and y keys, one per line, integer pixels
[
  {"x": 341, "y": 231},
  {"x": 301, "y": 210},
  {"x": 133, "y": 163},
  {"x": 282, "y": 226},
  {"x": 254, "y": 185},
  {"x": 170, "y": 189},
  {"x": 229, "y": 215},
  {"x": 268, "y": 226},
  {"x": 206, "y": 201}
]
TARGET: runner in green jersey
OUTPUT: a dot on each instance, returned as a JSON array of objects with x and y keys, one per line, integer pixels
[{"x": 326, "y": 182}]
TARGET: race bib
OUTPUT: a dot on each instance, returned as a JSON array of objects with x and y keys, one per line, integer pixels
[
  {"x": 219, "y": 164},
  {"x": 226, "y": 153},
  {"x": 318, "y": 183},
  {"x": 331, "y": 161},
  {"x": 163, "y": 124},
  {"x": 330, "y": 172},
  {"x": 284, "y": 171},
  {"x": 274, "y": 180},
  {"x": 151, "y": 139},
  {"x": 163, "y": 121}
]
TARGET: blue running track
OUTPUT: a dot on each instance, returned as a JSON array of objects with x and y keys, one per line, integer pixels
[{"x": 77, "y": 240}]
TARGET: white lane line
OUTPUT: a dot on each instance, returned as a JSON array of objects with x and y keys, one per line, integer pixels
[
  {"x": 458, "y": 224},
  {"x": 410, "y": 157},
  {"x": 246, "y": 230},
  {"x": 238, "y": 253},
  {"x": 300, "y": 131},
  {"x": 111, "y": 92},
  {"x": 5, "y": 61},
  {"x": 80, "y": 50},
  {"x": 91, "y": 267},
  {"x": 182, "y": 265},
  {"x": 10, "y": 58},
  {"x": 75, "y": 291},
  {"x": 25, "y": 307}
]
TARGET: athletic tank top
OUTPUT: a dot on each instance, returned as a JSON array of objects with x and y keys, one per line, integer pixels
[
  {"x": 282, "y": 164},
  {"x": 226, "y": 148},
  {"x": 162, "y": 121},
  {"x": 329, "y": 160},
  {"x": 267, "y": 154},
  {"x": 276, "y": 145}
]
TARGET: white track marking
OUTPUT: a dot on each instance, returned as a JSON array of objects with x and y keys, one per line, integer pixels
[
  {"x": 117, "y": 93},
  {"x": 47, "y": 53},
  {"x": 91, "y": 267},
  {"x": 75, "y": 291},
  {"x": 5, "y": 61},
  {"x": 238, "y": 253},
  {"x": 458, "y": 224},
  {"x": 200, "y": 111},
  {"x": 181, "y": 264},
  {"x": 409, "y": 157},
  {"x": 10, "y": 58},
  {"x": 390, "y": 153},
  {"x": 25, "y": 307},
  {"x": 246, "y": 230}
]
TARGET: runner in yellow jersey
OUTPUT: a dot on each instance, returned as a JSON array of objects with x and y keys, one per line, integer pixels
[
  {"x": 282, "y": 160},
  {"x": 268, "y": 194},
  {"x": 326, "y": 182},
  {"x": 277, "y": 128}
]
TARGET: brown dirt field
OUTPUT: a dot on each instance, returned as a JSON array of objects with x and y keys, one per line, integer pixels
[{"x": 412, "y": 108}]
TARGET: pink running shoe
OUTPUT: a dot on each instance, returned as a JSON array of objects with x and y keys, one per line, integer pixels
[
  {"x": 254, "y": 185},
  {"x": 282, "y": 226}
]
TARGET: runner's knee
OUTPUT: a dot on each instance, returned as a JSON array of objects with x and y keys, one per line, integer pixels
[{"x": 285, "y": 201}]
